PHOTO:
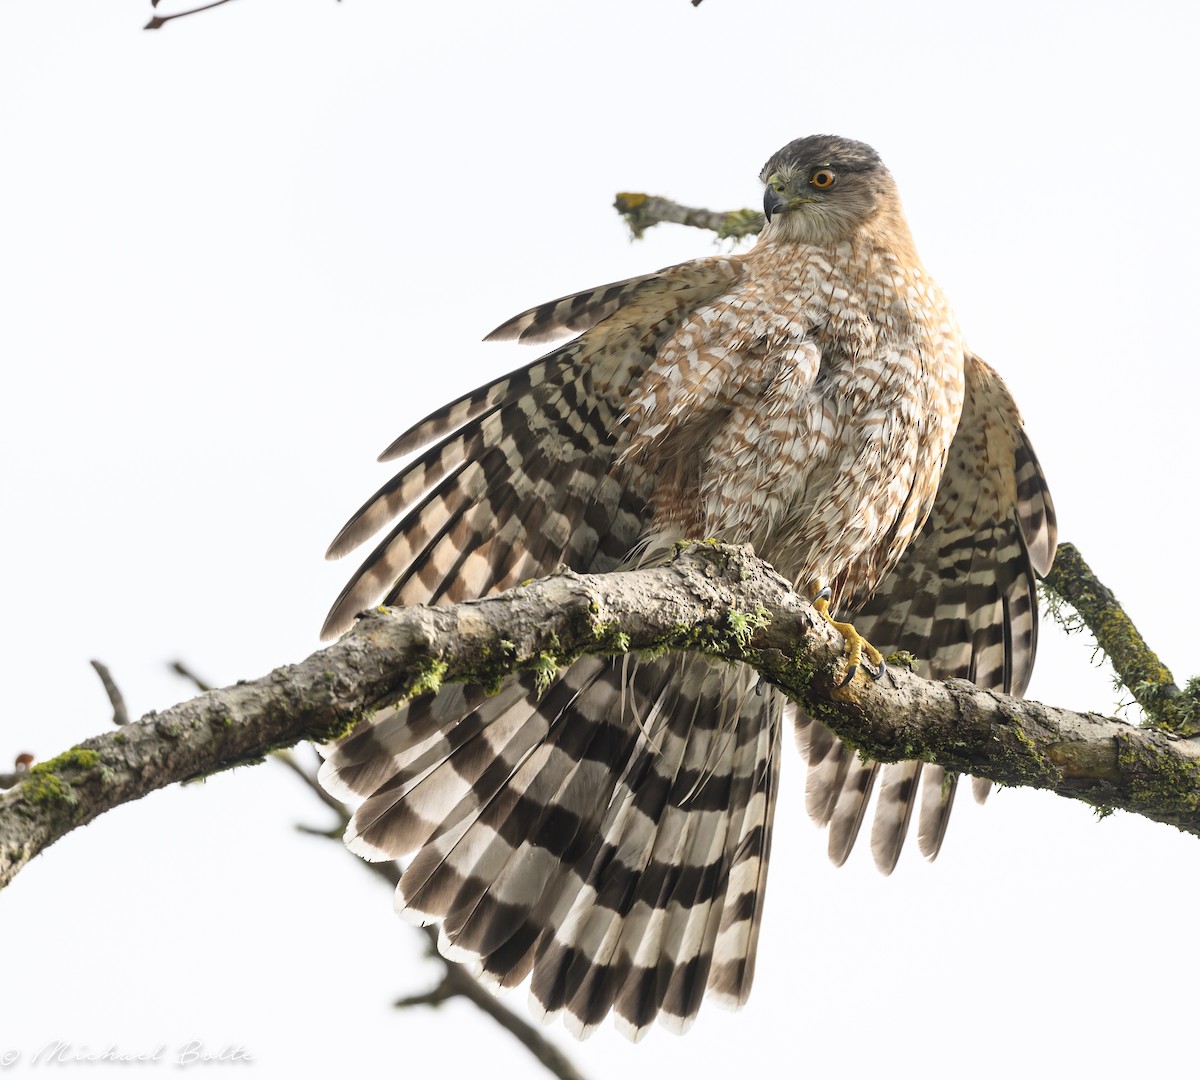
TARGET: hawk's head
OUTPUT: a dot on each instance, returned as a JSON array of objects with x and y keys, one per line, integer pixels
[{"x": 822, "y": 188}]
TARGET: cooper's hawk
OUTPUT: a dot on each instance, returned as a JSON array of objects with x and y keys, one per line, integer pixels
[{"x": 610, "y": 835}]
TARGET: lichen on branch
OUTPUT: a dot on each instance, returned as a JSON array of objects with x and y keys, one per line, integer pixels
[{"x": 1137, "y": 666}]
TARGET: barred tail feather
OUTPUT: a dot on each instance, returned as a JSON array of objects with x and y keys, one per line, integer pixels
[
  {"x": 897, "y": 795},
  {"x": 686, "y": 896},
  {"x": 828, "y": 766},
  {"x": 545, "y": 818},
  {"x": 937, "y": 797},
  {"x": 441, "y": 780},
  {"x": 639, "y": 932},
  {"x": 379, "y": 748},
  {"x": 851, "y": 808},
  {"x": 610, "y": 836},
  {"x": 736, "y": 946}
]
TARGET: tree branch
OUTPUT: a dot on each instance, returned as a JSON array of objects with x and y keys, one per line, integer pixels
[
  {"x": 711, "y": 598},
  {"x": 1137, "y": 665},
  {"x": 642, "y": 212}
]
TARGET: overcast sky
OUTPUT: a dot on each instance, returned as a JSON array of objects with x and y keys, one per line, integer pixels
[{"x": 240, "y": 255}]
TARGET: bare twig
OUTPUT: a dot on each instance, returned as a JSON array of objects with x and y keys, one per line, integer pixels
[
  {"x": 115, "y": 697},
  {"x": 288, "y": 759},
  {"x": 181, "y": 669},
  {"x": 545, "y": 1051},
  {"x": 157, "y": 22},
  {"x": 432, "y": 998}
]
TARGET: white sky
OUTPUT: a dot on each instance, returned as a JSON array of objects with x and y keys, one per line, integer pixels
[{"x": 238, "y": 256}]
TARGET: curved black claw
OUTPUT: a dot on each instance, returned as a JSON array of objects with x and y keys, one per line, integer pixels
[{"x": 852, "y": 670}]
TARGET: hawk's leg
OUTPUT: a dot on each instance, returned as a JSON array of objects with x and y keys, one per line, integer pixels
[{"x": 856, "y": 644}]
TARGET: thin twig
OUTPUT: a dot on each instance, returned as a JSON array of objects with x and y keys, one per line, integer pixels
[
  {"x": 288, "y": 759},
  {"x": 180, "y": 668},
  {"x": 440, "y": 994},
  {"x": 115, "y": 697},
  {"x": 157, "y": 22}
]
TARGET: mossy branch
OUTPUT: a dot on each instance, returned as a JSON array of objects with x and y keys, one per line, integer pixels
[
  {"x": 642, "y": 212},
  {"x": 1137, "y": 666},
  {"x": 711, "y": 598}
]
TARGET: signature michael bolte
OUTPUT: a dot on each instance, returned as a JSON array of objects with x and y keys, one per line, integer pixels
[{"x": 181, "y": 1055}]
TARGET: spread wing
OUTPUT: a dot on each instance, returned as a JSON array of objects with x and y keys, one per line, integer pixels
[
  {"x": 516, "y": 477},
  {"x": 963, "y": 601},
  {"x": 580, "y": 311}
]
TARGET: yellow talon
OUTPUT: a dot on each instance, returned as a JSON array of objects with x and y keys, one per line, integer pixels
[{"x": 857, "y": 645}]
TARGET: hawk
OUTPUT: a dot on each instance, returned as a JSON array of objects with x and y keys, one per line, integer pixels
[{"x": 608, "y": 836}]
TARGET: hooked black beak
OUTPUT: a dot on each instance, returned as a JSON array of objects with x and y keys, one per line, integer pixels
[{"x": 773, "y": 203}]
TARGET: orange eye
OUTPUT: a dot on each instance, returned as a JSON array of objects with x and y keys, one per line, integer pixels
[{"x": 822, "y": 178}]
